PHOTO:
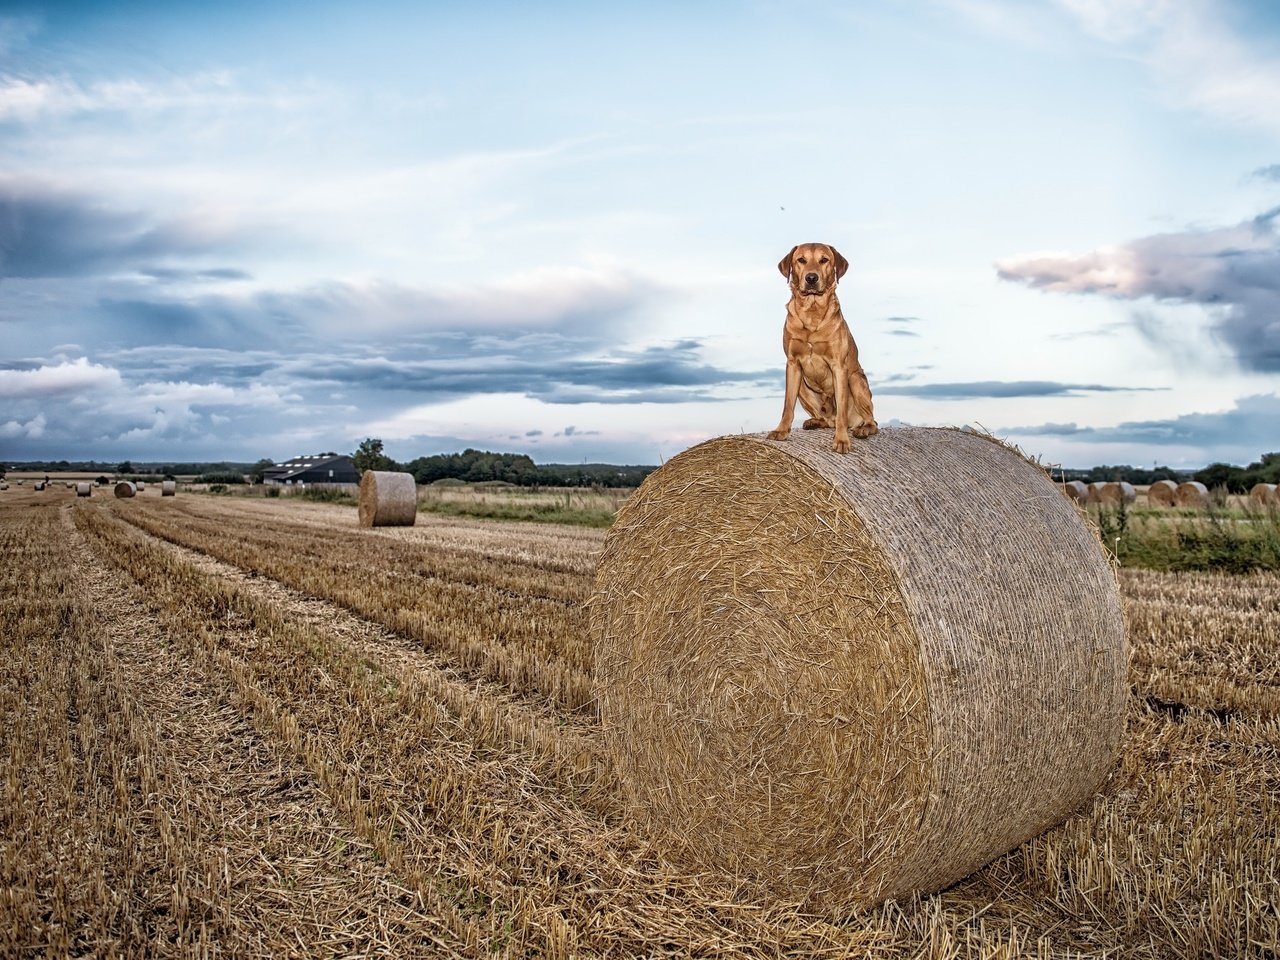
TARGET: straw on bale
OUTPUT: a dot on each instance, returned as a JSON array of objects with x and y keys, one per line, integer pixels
[
  {"x": 1076, "y": 490},
  {"x": 1193, "y": 493},
  {"x": 84, "y": 489},
  {"x": 1162, "y": 493},
  {"x": 388, "y": 499},
  {"x": 1264, "y": 494},
  {"x": 1117, "y": 491},
  {"x": 126, "y": 489},
  {"x": 840, "y": 679},
  {"x": 169, "y": 488}
]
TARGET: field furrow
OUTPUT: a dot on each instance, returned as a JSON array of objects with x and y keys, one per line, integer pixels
[{"x": 254, "y": 728}]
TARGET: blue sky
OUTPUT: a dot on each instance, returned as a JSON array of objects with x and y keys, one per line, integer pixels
[{"x": 240, "y": 230}]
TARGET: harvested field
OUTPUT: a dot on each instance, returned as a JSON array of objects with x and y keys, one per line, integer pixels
[{"x": 253, "y": 728}]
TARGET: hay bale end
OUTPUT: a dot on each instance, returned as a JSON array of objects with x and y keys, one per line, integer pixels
[
  {"x": 1076, "y": 490},
  {"x": 841, "y": 679},
  {"x": 84, "y": 489},
  {"x": 388, "y": 499},
  {"x": 168, "y": 488},
  {"x": 1193, "y": 494},
  {"x": 1264, "y": 495},
  {"x": 1163, "y": 493},
  {"x": 125, "y": 489}
]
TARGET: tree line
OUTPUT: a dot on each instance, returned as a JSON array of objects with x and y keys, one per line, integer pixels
[{"x": 485, "y": 466}]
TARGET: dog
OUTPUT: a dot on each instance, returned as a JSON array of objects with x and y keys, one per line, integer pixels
[{"x": 823, "y": 371}]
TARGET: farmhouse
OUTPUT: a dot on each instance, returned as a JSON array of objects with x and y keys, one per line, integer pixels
[{"x": 322, "y": 468}]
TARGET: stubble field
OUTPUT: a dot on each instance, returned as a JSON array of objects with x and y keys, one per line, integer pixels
[{"x": 250, "y": 728}]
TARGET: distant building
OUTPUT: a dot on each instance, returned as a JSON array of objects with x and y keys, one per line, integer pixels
[{"x": 301, "y": 471}]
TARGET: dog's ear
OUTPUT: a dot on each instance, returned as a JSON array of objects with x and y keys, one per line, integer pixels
[
  {"x": 842, "y": 265},
  {"x": 784, "y": 265}
]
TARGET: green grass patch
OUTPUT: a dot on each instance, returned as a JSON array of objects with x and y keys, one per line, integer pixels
[
  {"x": 534, "y": 511},
  {"x": 1213, "y": 540}
]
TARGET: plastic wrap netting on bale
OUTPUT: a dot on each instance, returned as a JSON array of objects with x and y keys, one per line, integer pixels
[{"x": 840, "y": 679}]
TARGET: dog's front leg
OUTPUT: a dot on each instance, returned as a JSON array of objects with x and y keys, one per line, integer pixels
[
  {"x": 789, "y": 403},
  {"x": 841, "y": 442}
]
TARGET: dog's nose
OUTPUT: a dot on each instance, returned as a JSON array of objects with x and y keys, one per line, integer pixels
[{"x": 810, "y": 278}]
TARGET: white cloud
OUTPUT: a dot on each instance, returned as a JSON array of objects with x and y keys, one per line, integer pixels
[
  {"x": 74, "y": 376},
  {"x": 33, "y": 429},
  {"x": 1190, "y": 48}
]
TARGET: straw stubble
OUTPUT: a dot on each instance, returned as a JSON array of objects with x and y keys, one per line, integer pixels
[{"x": 841, "y": 679}]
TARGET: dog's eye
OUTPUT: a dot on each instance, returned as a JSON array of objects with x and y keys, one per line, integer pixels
[
  {"x": 801, "y": 260},
  {"x": 823, "y": 260}
]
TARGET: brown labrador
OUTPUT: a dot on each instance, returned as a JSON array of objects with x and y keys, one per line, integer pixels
[{"x": 823, "y": 371}]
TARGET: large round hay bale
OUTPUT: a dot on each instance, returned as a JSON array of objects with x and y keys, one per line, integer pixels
[
  {"x": 1117, "y": 492},
  {"x": 1264, "y": 494},
  {"x": 1193, "y": 493},
  {"x": 84, "y": 489},
  {"x": 841, "y": 679},
  {"x": 1076, "y": 490},
  {"x": 1095, "y": 491},
  {"x": 388, "y": 499},
  {"x": 125, "y": 488},
  {"x": 1162, "y": 493},
  {"x": 169, "y": 488}
]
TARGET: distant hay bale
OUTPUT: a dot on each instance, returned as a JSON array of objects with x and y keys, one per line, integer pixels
[
  {"x": 38, "y": 486},
  {"x": 141, "y": 485},
  {"x": 168, "y": 488},
  {"x": 84, "y": 489},
  {"x": 1095, "y": 491},
  {"x": 1193, "y": 493},
  {"x": 1163, "y": 493},
  {"x": 1264, "y": 494},
  {"x": 1116, "y": 492},
  {"x": 840, "y": 679},
  {"x": 1076, "y": 490},
  {"x": 388, "y": 499},
  {"x": 126, "y": 489}
]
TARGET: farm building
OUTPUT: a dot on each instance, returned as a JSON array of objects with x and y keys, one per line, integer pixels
[{"x": 300, "y": 471}]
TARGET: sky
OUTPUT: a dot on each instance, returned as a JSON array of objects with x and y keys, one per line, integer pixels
[{"x": 244, "y": 230}]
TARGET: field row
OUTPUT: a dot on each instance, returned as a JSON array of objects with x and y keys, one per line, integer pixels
[{"x": 254, "y": 727}]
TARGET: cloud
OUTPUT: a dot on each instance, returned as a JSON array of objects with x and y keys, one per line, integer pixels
[
  {"x": 1191, "y": 48},
  {"x": 32, "y": 99},
  {"x": 1001, "y": 389},
  {"x": 1234, "y": 272},
  {"x": 49, "y": 231},
  {"x": 1248, "y": 426},
  {"x": 68, "y": 377},
  {"x": 33, "y": 429},
  {"x": 1267, "y": 173}
]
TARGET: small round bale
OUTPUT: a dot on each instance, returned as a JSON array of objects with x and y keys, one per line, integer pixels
[
  {"x": 141, "y": 485},
  {"x": 168, "y": 488},
  {"x": 1163, "y": 493},
  {"x": 1116, "y": 492},
  {"x": 84, "y": 489},
  {"x": 388, "y": 499},
  {"x": 125, "y": 489},
  {"x": 1076, "y": 490},
  {"x": 838, "y": 679},
  {"x": 1193, "y": 493},
  {"x": 1264, "y": 495},
  {"x": 38, "y": 486}
]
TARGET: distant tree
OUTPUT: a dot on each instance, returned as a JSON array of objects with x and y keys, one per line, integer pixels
[
  {"x": 369, "y": 456},
  {"x": 259, "y": 469},
  {"x": 1222, "y": 475},
  {"x": 126, "y": 466},
  {"x": 102, "y": 481}
]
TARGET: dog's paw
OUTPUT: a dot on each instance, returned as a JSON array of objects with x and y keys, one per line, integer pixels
[
  {"x": 866, "y": 430},
  {"x": 815, "y": 423},
  {"x": 840, "y": 445},
  {"x": 778, "y": 434}
]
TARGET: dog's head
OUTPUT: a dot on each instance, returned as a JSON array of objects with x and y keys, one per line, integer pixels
[{"x": 813, "y": 269}]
